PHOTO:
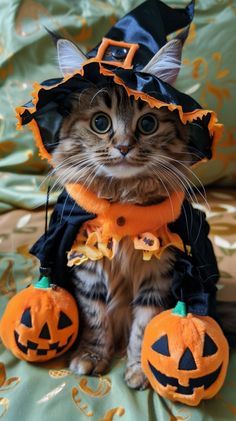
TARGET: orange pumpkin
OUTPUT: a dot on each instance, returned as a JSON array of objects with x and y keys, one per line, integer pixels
[
  {"x": 40, "y": 322},
  {"x": 184, "y": 356}
]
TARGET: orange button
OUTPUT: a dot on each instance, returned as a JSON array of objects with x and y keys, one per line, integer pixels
[{"x": 120, "y": 221}]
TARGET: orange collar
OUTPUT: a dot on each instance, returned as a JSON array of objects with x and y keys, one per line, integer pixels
[{"x": 120, "y": 219}]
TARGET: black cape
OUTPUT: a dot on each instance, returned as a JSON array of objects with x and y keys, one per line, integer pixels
[{"x": 195, "y": 275}]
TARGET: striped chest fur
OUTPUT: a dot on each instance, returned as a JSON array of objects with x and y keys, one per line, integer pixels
[{"x": 123, "y": 283}]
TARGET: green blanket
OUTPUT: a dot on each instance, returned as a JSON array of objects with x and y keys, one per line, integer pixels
[
  {"x": 50, "y": 391},
  {"x": 27, "y": 55}
]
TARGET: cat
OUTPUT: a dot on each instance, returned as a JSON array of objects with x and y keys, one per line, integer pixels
[
  {"x": 122, "y": 150},
  {"x": 110, "y": 142}
]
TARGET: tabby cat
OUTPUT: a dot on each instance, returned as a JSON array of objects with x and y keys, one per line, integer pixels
[{"x": 124, "y": 151}]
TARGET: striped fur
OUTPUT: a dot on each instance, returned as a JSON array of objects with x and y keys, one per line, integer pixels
[{"x": 117, "y": 298}]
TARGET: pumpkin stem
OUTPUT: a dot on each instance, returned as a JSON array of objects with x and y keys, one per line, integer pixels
[
  {"x": 180, "y": 309},
  {"x": 44, "y": 282}
]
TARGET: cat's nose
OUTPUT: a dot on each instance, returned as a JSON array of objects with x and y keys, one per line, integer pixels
[{"x": 124, "y": 149}]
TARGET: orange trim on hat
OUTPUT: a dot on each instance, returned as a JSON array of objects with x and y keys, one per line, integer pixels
[
  {"x": 120, "y": 219},
  {"x": 43, "y": 153}
]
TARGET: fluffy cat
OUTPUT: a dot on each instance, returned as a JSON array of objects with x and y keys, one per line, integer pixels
[
  {"x": 110, "y": 145},
  {"x": 127, "y": 152}
]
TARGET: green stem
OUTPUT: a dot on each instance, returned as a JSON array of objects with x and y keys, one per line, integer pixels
[
  {"x": 44, "y": 282},
  {"x": 180, "y": 309}
]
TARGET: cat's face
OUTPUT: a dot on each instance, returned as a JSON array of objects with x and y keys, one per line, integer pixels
[{"x": 111, "y": 136}]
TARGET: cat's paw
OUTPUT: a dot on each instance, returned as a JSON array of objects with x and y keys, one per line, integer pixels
[
  {"x": 88, "y": 363},
  {"x": 135, "y": 378}
]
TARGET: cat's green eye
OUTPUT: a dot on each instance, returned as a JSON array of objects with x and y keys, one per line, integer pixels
[
  {"x": 101, "y": 123},
  {"x": 147, "y": 124}
]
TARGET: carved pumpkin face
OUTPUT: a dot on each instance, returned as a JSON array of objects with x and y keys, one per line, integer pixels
[
  {"x": 40, "y": 324},
  {"x": 185, "y": 357}
]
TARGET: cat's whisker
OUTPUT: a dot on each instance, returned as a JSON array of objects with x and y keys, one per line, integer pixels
[
  {"x": 45, "y": 179},
  {"x": 65, "y": 205},
  {"x": 188, "y": 225},
  {"x": 190, "y": 189},
  {"x": 97, "y": 168},
  {"x": 75, "y": 175},
  {"x": 187, "y": 188},
  {"x": 165, "y": 188},
  {"x": 195, "y": 176},
  {"x": 169, "y": 180},
  {"x": 73, "y": 162},
  {"x": 91, "y": 175},
  {"x": 62, "y": 179},
  {"x": 192, "y": 154},
  {"x": 63, "y": 208},
  {"x": 111, "y": 178},
  {"x": 173, "y": 182},
  {"x": 185, "y": 180},
  {"x": 51, "y": 173},
  {"x": 186, "y": 167},
  {"x": 98, "y": 92},
  {"x": 59, "y": 152}
]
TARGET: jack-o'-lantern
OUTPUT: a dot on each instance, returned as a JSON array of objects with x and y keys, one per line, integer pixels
[
  {"x": 40, "y": 322},
  {"x": 184, "y": 356}
]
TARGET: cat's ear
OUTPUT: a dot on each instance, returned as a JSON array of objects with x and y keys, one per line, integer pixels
[
  {"x": 70, "y": 57},
  {"x": 167, "y": 61}
]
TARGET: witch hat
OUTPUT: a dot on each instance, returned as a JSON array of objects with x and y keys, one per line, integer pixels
[{"x": 146, "y": 26}]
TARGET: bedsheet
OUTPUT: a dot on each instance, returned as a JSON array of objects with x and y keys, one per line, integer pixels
[
  {"x": 49, "y": 391},
  {"x": 28, "y": 55}
]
